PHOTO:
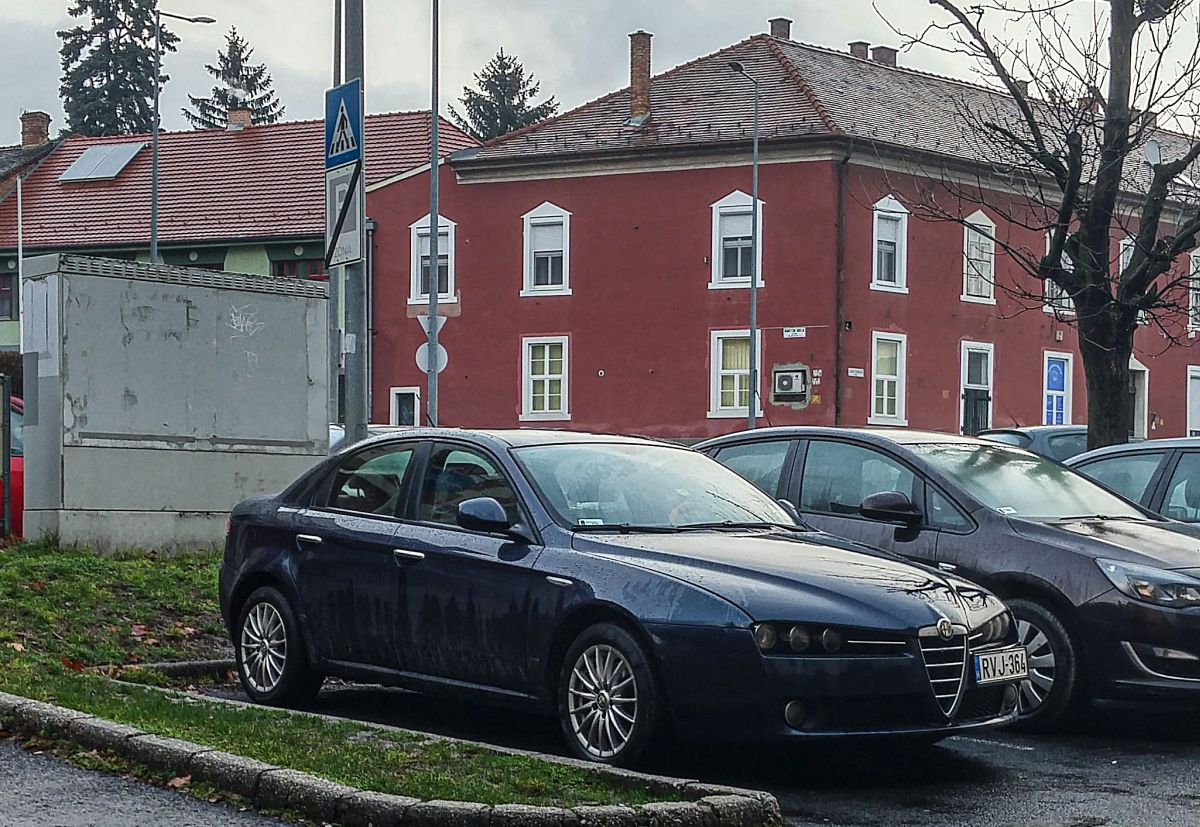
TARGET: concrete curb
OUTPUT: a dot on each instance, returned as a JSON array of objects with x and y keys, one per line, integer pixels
[{"x": 324, "y": 800}]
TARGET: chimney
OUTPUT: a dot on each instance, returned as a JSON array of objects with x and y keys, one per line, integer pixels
[
  {"x": 885, "y": 55},
  {"x": 639, "y": 77},
  {"x": 35, "y": 128},
  {"x": 1022, "y": 87},
  {"x": 781, "y": 27},
  {"x": 240, "y": 117},
  {"x": 858, "y": 48}
]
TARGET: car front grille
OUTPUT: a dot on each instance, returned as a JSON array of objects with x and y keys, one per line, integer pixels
[{"x": 946, "y": 664}]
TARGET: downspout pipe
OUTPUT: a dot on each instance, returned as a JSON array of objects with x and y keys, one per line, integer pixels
[{"x": 840, "y": 289}]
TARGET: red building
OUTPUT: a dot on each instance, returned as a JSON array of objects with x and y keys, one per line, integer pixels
[{"x": 598, "y": 265}]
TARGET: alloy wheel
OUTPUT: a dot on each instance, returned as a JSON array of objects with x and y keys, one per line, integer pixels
[
  {"x": 263, "y": 647},
  {"x": 1037, "y": 687},
  {"x": 602, "y": 701}
]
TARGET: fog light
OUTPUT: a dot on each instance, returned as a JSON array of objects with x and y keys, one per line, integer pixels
[
  {"x": 793, "y": 713},
  {"x": 1010, "y": 696},
  {"x": 799, "y": 638},
  {"x": 831, "y": 640},
  {"x": 1170, "y": 654},
  {"x": 766, "y": 636}
]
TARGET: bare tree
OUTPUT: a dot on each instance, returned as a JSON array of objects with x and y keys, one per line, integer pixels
[{"x": 1089, "y": 136}]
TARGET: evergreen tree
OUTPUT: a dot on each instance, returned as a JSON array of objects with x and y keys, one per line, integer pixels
[
  {"x": 108, "y": 67},
  {"x": 241, "y": 85},
  {"x": 502, "y": 101}
]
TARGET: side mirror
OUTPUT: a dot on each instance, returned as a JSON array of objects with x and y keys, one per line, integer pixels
[
  {"x": 483, "y": 514},
  {"x": 790, "y": 508},
  {"x": 890, "y": 507}
]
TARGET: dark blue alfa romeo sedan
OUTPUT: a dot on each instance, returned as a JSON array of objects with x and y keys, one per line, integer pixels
[{"x": 625, "y": 585}]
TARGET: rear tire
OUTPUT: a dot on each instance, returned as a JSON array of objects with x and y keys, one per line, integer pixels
[
  {"x": 1054, "y": 690},
  {"x": 271, "y": 662},
  {"x": 609, "y": 702}
]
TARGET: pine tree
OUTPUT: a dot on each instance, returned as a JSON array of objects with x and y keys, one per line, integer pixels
[
  {"x": 502, "y": 101},
  {"x": 108, "y": 67},
  {"x": 241, "y": 85}
]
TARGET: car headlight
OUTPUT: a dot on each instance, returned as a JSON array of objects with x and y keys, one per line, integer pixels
[
  {"x": 993, "y": 631},
  {"x": 1151, "y": 585}
]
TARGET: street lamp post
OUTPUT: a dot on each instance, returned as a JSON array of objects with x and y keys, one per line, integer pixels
[
  {"x": 752, "y": 417},
  {"x": 158, "y": 15}
]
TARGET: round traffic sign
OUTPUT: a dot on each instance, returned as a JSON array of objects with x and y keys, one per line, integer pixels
[{"x": 422, "y": 357}]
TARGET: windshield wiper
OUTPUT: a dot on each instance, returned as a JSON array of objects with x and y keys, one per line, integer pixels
[
  {"x": 736, "y": 525},
  {"x": 1098, "y": 517},
  {"x": 626, "y": 528}
]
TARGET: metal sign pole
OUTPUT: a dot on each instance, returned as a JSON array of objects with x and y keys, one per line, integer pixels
[
  {"x": 435, "y": 227},
  {"x": 355, "y": 294}
]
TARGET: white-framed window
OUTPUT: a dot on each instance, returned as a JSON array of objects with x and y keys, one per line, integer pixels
[
  {"x": 404, "y": 406},
  {"x": 976, "y": 369},
  {"x": 1194, "y": 291},
  {"x": 729, "y": 365},
  {"x": 734, "y": 258},
  {"x": 545, "y": 389},
  {"x": 1193, "y": 400},
  {"x": 1057, "y": 376},
  {"x": 889, "y": 358},
  {"x": 419, "y": 278},
  {"x": 1054, "y": 298},
  {"x": 889, "y": 245},
  {"x": 979, "y": 259},
  {"x": 547, "y": 251},
  {"x": 1124, "y": 257}
]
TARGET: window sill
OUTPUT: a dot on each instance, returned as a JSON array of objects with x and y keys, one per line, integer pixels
[
  {"x": 1046, "y": 308},
  {"x": 732, "y": 413},
  {"x": 977, "y": 299},
  {"x": 887, "y": 420},
  {"x": 740, "y": 284},
  {"x": 424, "y": 301},
  {"x": 889, "y": 288},
  {"x": 533, "y": 292},
  {"x": 563, "y": 416}
]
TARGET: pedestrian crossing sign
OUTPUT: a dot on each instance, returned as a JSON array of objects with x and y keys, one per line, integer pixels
[{"x": 343, "y": 124}]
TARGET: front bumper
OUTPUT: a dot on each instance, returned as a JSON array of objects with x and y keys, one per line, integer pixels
[
  {"x": 1119, "y": 636},
  {"x": 720, "y": 687}
]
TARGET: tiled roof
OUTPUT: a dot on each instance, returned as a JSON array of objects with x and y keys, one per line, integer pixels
[
  {"x": 13, "y": 158},
  {"x": 214, "y": 185}
]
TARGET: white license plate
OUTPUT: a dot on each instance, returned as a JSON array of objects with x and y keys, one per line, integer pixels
[{"x": 1001, "y": 667}]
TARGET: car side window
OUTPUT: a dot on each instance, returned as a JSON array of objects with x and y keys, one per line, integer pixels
[
  {"x": 838, "y": 476},
  {"x": 1183, "y": 492},
  {"x": 759, "y": 462},
  {"x": 1127, "y": 474},
  {"x": 1065, "y": 446},
  {"x": 454, "y": 475},
  {"x": 371, "y": 481},
  {"x": 944, "y": 515}
]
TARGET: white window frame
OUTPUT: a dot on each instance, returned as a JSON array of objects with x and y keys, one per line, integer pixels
[
  {"x": 979, "y": 224},
  {"x": 393, "y": 411},
  {"x": 966, "y": 348},
  {"x": 543, "y": 214},
  {"x": 1141, "y": 414},
  {"x": 416, "y": 230},
  {"x": 1068, "y": 383},
  {"x": 1193, "y": 288},
  {"x": 1059, "y": 304},
  {"x": 1193, "y": 403},
  {"x": 736, "y": 203},
  {"x": 901, "y": 417},
  {"x": 889, "y": 208},
  {"x": 527, "y": 379},
  {"x": 715, "y": 411},
  {"x": 1124, "y": 256}
]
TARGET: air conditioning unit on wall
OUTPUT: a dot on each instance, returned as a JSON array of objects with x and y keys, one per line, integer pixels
[{"x": 789, "y": 386}]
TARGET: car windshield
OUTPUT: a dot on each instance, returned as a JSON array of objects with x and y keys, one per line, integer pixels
[
  {"x": 1021, "y": 484},
  {"x": 596, "y": 485}
]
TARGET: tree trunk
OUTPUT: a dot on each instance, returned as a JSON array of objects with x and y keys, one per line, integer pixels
[{"x": 1106, "y": 346}]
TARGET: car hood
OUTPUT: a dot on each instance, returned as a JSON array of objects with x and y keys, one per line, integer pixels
[
  {"x": 1164, "y": 544},
  {"x": 806, "y": 577}
]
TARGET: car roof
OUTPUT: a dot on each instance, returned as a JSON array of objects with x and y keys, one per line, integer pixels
[
  {"x": 878, "y": 436},
  {"x": 515, "y": 437},
  {"x": 1031, "y": 430},
  {"x": 1138, "y": 447}
]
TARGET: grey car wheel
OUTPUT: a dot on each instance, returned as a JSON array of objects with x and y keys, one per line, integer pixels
[{"x": 271, "y": 659}]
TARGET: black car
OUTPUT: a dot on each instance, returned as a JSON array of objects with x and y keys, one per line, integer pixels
[
  {"x": 623, "y": 584},
  {"x": 1058, "y": 442},
  {"x": 1106, "y": 595},
  {"x": 1162, "y": 475}
]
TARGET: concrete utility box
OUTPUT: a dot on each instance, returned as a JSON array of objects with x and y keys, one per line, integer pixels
[{"x": 157, "y": 397}]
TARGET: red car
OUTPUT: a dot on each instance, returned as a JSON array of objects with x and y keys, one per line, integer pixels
[{"x": 16, "y": 406}]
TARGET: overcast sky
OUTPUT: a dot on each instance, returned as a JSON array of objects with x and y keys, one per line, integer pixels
[{"x": 578, "y": 49}]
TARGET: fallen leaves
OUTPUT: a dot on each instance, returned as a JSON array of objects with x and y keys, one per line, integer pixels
[
  {"x": 138, "y": 630},
  {"x": 72, "y": 665},
  {"x": 16, "y": 646},
  {"x": 179, "y": 782}
]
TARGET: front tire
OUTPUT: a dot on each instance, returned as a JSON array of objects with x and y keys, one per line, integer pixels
[
  {"x": 1054, "y": 688},
  {"x": 271, "y": 662},
  {"x": 609, "y": 704}
]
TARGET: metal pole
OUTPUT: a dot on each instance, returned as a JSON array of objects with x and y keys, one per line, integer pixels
[
  {"x": 16, "y": 299},
  {"x": 435, "y": 226},
  {"x": 336, "y": 274},
  {"x": 752, "y": 418},
  {"x": 154, "y": 142},
  {"x": 6, "y": 417},
  {"x": 356, "y": 309},
  {"x": 337, "y": 42}
]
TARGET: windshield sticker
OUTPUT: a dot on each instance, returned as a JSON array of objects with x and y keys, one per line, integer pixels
[
  {"x": 590, "y": 521},
  {"x": 1006, "y": 509}
]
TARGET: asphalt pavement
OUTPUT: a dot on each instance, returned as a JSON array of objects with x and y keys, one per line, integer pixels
[
  {"x": 43, "y": 791},
  {"x": 1124, "y": 766}
]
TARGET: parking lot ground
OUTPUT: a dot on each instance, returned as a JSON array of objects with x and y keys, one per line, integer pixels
[{"x": 1124, "y": 766}]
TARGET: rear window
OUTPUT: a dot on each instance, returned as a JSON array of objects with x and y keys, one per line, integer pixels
[
  {"x": 1065, "y": 446},
  {"x": 1008, "y": 438}
]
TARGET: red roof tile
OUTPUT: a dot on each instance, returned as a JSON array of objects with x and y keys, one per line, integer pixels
[{"x": 214, "y": 185}]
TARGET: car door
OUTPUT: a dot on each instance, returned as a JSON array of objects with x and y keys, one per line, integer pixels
[
  {"x": 837, "y": 475},
  {"x": 1179, "y": 497},
  {"x": 346, "y": 574},
  {"x": 470, "y": 597},
  {"x": 1132, "y": 474},
  {"x": 762, "y": 462}
]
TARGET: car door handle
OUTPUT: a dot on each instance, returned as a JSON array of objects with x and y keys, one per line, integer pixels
[
  {"x": 559, "y": 581},
  {"x": 947, "y": 567},
  {"x": 405, "y": 554},
  {"x": 309, "y": 539}
]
